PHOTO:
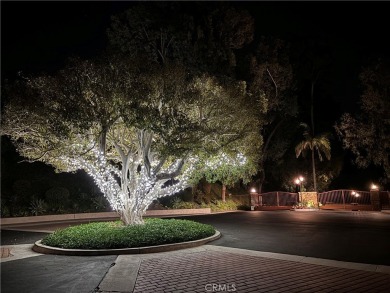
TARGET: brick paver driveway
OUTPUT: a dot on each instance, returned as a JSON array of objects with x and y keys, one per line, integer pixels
[{"x": 222, "y": 271}]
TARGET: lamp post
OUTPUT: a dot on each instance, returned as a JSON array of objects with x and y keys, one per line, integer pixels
[
  {"x": 301, "y": 179},
  {"x": 298, "y": 185},
  {"x": 374, "y": 187},
  {"x": 252, "y": 200},
  {"x": 375, "y": 197}
]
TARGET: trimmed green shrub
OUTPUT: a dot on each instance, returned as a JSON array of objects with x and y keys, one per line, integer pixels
[{"x": 111, "y": 235}]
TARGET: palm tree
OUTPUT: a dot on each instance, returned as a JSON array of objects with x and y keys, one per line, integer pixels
[{"x": 318, "y": 143}]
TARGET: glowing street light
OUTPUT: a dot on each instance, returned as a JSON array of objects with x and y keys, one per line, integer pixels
[
  {"x": 253, "y": 200},
  {"x": 354, "y": 193},
  {"x": 374, "y": 187},
  {"x": 298, "y": 181}
]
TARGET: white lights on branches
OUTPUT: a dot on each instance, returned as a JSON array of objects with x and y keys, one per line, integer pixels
[
  {"x": 224, "y": 159},
  {"x": 133, "y": 189}
]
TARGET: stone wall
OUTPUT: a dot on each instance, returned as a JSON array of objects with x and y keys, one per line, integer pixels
[
  {"x": 375, "y": 200},
  {"x": 308, "y": 196}
]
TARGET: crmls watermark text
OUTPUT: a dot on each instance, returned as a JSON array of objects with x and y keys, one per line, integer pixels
[{"x": 220, "y": 288}]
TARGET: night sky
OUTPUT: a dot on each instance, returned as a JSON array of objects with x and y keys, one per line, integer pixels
[{"x": 40, "y": 36}]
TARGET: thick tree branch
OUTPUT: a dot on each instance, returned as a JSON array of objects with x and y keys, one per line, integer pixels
[
  {"x": 269, "y": 138},
  {"x": 145, "y": 139},
  {"x": 276, "y": 86},
  {"x": 172, "y": 174},
  {"x": 160, "y": 164}
]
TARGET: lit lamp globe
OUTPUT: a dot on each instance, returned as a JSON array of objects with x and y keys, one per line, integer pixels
[
  {"x": 374, "y": 187},
  {"x": 253, "y": 190},
  {"x": 355, "y": 194}
]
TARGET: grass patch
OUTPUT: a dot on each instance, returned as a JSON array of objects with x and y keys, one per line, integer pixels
[{"x": 111, "y": 235}]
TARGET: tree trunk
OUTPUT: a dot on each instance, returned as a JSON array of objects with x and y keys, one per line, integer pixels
[
  {"x": 139, "y": 185},
  {"x": 193, "y": 192},
  {"x": 208, "y": 188},
  {"x": 131, "y": 217},
  {"x": 265, "y": 151},
  {"x": 314, "y": 170},
  {"x": 223, "y": 192},
  {"x": 312, "y": 108},
  {"x": 261, "y": 181}
]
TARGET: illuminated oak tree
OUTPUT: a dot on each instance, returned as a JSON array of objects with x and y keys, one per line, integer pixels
[
  {"x": 137, "y": 121},
  {"x": 132, "y": 126},
  {"x": 204, "y": 37}
]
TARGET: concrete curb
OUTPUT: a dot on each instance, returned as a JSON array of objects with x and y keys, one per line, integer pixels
[
  {"x": 40, "y": 248},
  {"x": 305, "y": 210},
  {"x": 122, "y": 276}
]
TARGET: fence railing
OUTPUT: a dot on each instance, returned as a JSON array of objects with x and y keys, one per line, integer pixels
[
  {"x": 278, "y": 198},
  {"x": 385, "y": 199},
  {"x": 333, "y": 197},
  {"x": 344, "y": 196}
]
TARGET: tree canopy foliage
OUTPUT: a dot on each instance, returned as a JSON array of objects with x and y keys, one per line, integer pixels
[
  {"x": 367, "y": 133},
  {"x": 272, "y": 86},
  {"x": 203, "y": 36}
]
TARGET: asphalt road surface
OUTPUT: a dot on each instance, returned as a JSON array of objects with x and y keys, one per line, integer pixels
[{"x": 362, "y": 237}]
